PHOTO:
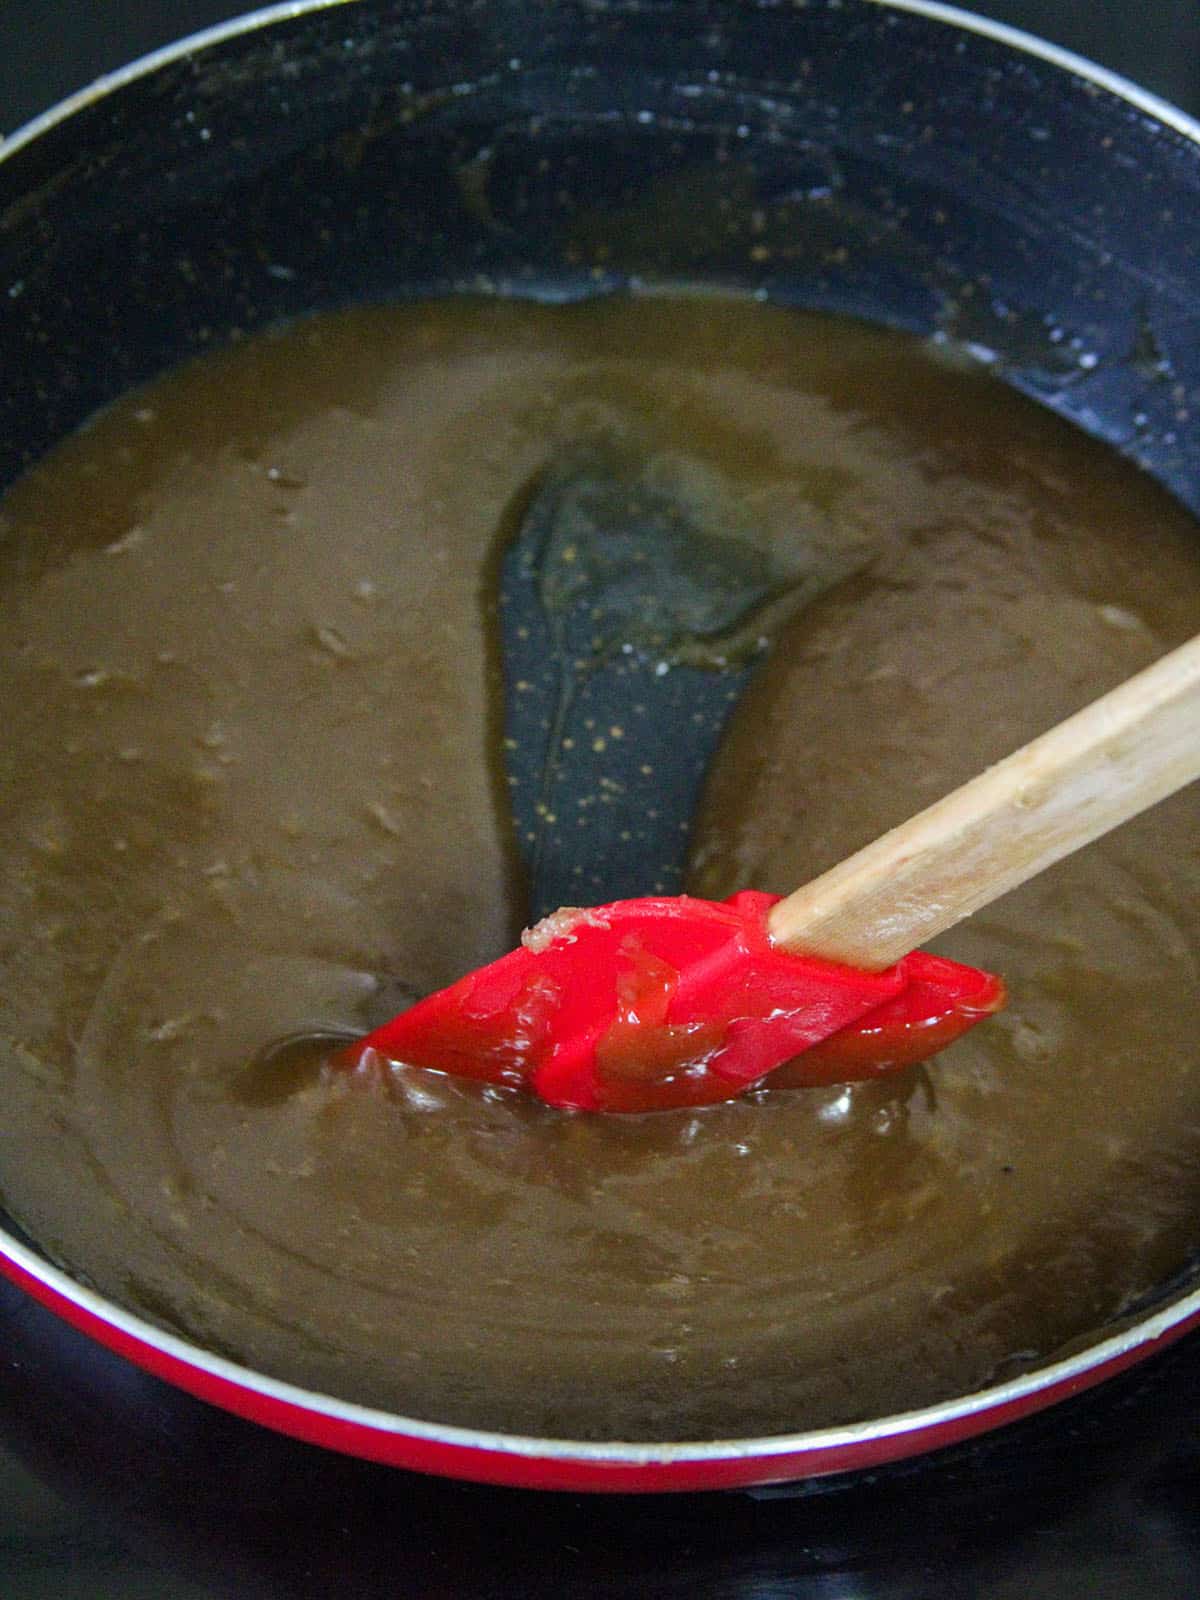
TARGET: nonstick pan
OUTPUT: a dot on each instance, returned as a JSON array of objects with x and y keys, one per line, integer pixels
[{"x": 922, "y": 169}]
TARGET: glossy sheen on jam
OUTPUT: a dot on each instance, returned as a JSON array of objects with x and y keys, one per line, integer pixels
[{"x": 252, "y": 801}]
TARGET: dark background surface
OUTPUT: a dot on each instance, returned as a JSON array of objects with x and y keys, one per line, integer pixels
[{"x": 112, "y": 1485}]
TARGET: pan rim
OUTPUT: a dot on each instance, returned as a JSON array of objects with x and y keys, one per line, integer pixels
[
  {"x": 1017, "y": 1394},
  {"x": 1154, "y": 105}
]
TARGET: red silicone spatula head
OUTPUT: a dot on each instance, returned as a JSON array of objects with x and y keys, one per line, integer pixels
[{"x": 647, "y": 1004}]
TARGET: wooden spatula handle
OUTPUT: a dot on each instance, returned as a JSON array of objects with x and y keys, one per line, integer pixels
[{"x": 1100, "y": 767}]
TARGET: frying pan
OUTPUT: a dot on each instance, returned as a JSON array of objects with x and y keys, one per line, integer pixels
[{"x": 915, "y": 166}]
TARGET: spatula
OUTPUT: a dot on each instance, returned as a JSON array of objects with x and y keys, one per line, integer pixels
[{"x": 647, "y": 1004}]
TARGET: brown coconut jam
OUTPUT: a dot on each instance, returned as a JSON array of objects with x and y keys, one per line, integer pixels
[{"x": 252, "y": 799}]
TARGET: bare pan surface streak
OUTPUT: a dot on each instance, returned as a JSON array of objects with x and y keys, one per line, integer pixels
[{"x": 251, "y": 791}]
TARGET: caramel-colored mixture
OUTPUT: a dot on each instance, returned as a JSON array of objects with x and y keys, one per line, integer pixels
[{"x": 252, "y": 792}]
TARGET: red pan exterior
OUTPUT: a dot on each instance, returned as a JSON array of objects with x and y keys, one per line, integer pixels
[{"x": 558, "y": 1464}]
